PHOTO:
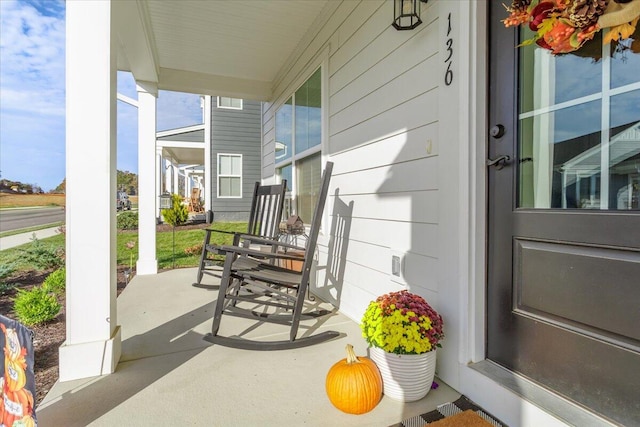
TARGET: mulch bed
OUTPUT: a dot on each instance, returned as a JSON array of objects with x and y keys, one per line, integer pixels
[{"x": 49, "y": 337}]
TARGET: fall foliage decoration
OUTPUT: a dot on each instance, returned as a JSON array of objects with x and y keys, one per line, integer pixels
[
  {"x": 563, "y": 26},
  {"x": 16, "y": 401},
  {"x": 354, "y": 384}
]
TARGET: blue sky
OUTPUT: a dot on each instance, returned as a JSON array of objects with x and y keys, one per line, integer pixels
[{"x": 32, "y": 97}]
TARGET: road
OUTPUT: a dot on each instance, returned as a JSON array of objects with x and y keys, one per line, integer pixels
[{"x": 14, "y": 219}]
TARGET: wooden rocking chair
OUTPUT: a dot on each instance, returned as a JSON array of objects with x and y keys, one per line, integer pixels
[
  {"x": 264, "y": 217},
  {"x": 194, "y": 201},
  {"x": 249, "y": 281}
]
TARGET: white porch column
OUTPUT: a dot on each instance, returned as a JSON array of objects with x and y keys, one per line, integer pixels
[
  {"x": 207, "y": 155},
  {"x": 147, "y": 199},
  {"x": 159, "y": 170},
  {"x": 93, "y": 344},
  {"x": 168, "y": 176},
  {"x": 176, "y": 179},
  {"x": 187, "y": 184}
]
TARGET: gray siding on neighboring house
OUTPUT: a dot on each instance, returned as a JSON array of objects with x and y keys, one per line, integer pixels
[
  {"x": 236, "y": 132},
  {"x": 192, "y": 136}
]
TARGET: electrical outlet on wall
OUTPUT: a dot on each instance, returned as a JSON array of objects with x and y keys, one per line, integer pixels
[{"x": 397, "y": 259}]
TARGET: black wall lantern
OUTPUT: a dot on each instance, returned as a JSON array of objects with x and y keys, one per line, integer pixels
[{"x": 406, "y": 14}]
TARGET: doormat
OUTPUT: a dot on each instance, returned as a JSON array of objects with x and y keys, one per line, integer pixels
[{"x": 461, "y": 413}]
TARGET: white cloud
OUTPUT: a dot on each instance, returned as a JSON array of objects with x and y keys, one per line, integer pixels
[
  {"x": 32, "y": 91},
  {"x": 32, "y": 46},
  {"x": 32, "y": 96}
]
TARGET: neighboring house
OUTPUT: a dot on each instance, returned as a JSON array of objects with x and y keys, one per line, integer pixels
[
  {"x": 221, "y": 157},
  {"x": 540, "y": 300},
  {"x": 235, "y": 157}
]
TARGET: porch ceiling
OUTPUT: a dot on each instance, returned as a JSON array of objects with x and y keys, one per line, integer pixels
[
  {"x": 183, "y": 155},
  {"x": 229, "y": 48}
]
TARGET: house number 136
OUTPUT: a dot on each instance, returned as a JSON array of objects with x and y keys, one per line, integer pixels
[{"x": 448, "y": 75}]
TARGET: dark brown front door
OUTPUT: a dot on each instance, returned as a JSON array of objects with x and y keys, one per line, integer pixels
[{"x": 564, "y": 219}]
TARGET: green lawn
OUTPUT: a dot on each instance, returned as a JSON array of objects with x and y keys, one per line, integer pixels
[{"x": 164, "y": 248}]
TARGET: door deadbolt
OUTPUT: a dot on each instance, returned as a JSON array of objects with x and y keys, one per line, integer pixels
[
  {"x": 499, "y": 162},
  {"x": 497, "y": 131}
]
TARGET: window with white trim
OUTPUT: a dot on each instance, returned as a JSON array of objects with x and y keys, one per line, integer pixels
[
  {"x": 230, "y": 103},
  {"x": 229, "y": 175},
  {"x": 298, "y": 130}
]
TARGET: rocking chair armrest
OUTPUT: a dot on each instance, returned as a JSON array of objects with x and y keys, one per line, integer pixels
[
  {"x": 214, "y": 230},
  {"x": 267, "y": 241},
  {"x": 258, "y": 254}
]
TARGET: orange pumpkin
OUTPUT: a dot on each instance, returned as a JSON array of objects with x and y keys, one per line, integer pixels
[
  {"x": 354, "y": 385},
  {"x": 17, "y": 404}
]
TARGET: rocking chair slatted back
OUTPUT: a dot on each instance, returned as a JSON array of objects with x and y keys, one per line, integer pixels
[
  {"x": 264, "y": 217},
  {"x": 266, "y": 209},
  {"x": 251, "y": 276}
]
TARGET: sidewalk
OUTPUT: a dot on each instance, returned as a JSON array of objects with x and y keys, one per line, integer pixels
[{"x": 20, "y": 239}]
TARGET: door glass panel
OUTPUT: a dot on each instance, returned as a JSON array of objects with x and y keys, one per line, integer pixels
[
  {"x": 553, "y": 173},
  {"x": 624, "y": 151},
  {"x": 547, "y": 80},
  {"x": 625, "y": 61},
  {"x": 565, "y": 159}
]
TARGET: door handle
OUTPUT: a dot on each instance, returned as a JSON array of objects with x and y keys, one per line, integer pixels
[{"x": 499, "y": 162}]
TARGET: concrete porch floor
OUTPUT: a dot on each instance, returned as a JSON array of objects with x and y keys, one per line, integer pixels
[{"x": 168, "y": 375}]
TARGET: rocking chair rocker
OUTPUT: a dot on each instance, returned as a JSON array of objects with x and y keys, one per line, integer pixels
[{"x": 254, "y": 279}]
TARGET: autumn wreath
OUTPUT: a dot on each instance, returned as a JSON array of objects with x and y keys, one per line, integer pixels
[{"x": 563, "y": 26}]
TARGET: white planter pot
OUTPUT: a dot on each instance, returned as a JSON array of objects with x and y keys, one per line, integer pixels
[{"x": 405, "y": 377}]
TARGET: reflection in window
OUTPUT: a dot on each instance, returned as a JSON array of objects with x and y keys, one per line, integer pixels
[
  {"x": 282, "y": 173},
  {"x": 298, "y": 133},
  {"x": 625, "y": 61},
  {"x": 308, "y": 181},
  {"x": 579, "y": 133},
  {"x": 308, "y": 105},
  {"x": 547, "y": 80},
  {"x": 624, "y": 151},
  {"x": 284, "y": 127}
]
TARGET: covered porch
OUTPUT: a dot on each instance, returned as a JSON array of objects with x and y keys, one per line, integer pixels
[
  {"x": 402, "y": 114},
  {"x": 168, "y": 375}
]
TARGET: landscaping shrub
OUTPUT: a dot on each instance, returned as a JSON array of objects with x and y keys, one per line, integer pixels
[
  {"x": 5, "y": 271},
  {"x": 127, "y": 221},
  {"x": 178, "y": 214},
  {"x": 56, "y": 281},
  {"x": 44, "y": 256},
  {"x": 36, "y": 306}
]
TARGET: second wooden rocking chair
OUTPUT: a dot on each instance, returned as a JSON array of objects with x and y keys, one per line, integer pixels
[
  {"x": 253, "y": 279},
  {"x": 264, "y": 217}
]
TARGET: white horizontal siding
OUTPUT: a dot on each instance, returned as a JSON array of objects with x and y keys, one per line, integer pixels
[
  {"x": 414, "y": 175},
  {"x": 382, "y": 136},
  {"x": 398, "y": 235},
  {"x": 398, "y": 148},
  {"x": 367, "y": 31},
  {"x": 405, "y": 57},
  {"x": 356, "y": 19},
  {"x": 412, "y": 206},
  {"x": 415, "y": 81},
  {"x": 400, "y": 118}
]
